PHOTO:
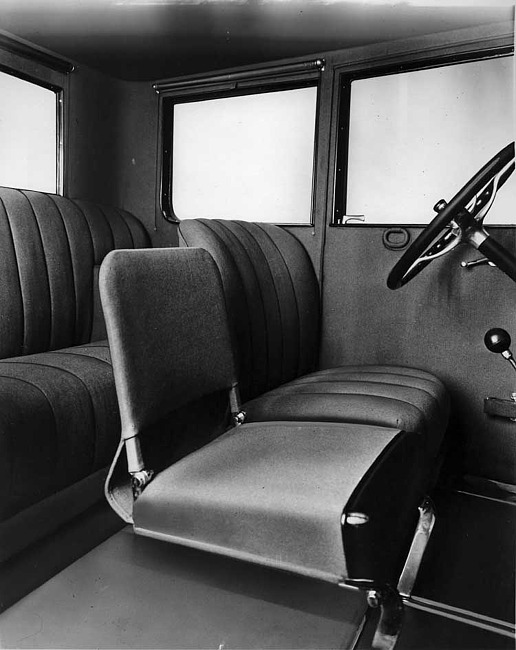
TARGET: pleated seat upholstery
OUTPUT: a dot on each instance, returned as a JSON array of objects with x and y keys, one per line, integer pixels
[
  {"x": 59, "y": 421},
  {"x": 273, "y": 300},
  {"x": 390, "y": 396},
  {"x": 274, "y": 493}
]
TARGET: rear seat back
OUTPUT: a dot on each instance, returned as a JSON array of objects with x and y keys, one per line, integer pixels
[
  {"x": 272, "y": 297},
  {"x": 50, "y": 252},
  {"x": 59, "y": 421}
]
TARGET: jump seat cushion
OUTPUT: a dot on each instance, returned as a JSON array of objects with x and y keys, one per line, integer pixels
[
  {"x": 294, "y": 481},
  {"x": 272, "y": 297},
  {"x": 59, "y": 421}
]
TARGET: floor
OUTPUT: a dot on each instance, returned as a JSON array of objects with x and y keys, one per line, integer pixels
[{"x": 133, "y": 592}]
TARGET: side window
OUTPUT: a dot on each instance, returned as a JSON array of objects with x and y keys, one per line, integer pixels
[
  {"x": 416, "y": 137},
  {"x": 29, "y": 135},
  {"x": 248, "y": 157}
]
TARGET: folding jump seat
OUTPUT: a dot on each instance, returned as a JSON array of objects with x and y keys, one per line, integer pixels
[{"x": 334, "y": 501}]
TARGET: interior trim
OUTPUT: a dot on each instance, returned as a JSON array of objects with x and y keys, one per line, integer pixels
[
  {"x": 18, "y": 47},
  {"x": 462, "y": 615},
  {"x": 179, "y": 87}
]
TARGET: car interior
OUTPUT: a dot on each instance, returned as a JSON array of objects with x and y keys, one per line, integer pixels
[{"x": 257, "y": 387}]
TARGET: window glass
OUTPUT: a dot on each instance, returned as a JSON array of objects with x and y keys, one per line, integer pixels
[
  {"x": 417, "y": 137},
  {"x": 28, "y": 135},
  {"x": 245, "y": 157}
]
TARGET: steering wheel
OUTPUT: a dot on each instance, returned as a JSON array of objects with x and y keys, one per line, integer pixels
[{"x": 461, "y": 221}]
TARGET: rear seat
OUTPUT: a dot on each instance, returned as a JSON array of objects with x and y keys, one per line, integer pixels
[
  {"x": 272, "y": 298},
  {"x": 59, "y": 421}
]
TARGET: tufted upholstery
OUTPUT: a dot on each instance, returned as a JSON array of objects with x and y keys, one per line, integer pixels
[
  {"x": 59, "y": 421},
  {"x": 273, "y": 301}
]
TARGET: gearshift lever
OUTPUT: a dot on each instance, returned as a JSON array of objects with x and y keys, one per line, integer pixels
[{"x": 498, "y": 340}]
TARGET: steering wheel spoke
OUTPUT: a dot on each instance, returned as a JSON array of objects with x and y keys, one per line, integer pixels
[{"x": 461, "y": 221}]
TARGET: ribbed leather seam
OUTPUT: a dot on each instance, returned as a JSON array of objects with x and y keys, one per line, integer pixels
[
  {"x": 124, "y": 221},
  {"x": 90, "y": 400},
  {"x": 82, "y": 356},
  {"x": 49, "y": 336},
  {"x": 264, "y": 299},
  {"x": 74, "y": 274},
  {"x": 90, "y": 324},
  {"x": 252, "y": 270},
  {"x": 341, "y": 382},
  {"x": 248, "y": 354},
  {"x": 107, "y": 218},
  {"x": 378, "y": 397},
  {"x": 15, "y": 255},
  {"x": 380, "y": 371},
  {"x": 296, "y": 299},
  {"x": 38, "y": 388},
  {"x": 113, "y": 238},
  {"x": 45, "y": 396}
]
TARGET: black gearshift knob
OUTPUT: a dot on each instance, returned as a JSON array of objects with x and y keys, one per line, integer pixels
[{"x": 497, "y": 340}]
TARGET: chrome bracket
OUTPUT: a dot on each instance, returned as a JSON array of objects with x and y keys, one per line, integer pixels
[
  {"x": 239, "y": 418},
  {"x": 479, "y": 262},
  {"x": 140, "y": 480},
  {"x": 390, "y": 602},
  {"x": 417, "y": 548},
  {"x": 391, "y": 616}
]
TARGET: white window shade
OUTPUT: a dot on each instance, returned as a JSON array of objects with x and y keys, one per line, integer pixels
[
  {"x": 28, "y": 135},
  {"x": 417, "y": 137},
  {"x": 245, "y": 157}
]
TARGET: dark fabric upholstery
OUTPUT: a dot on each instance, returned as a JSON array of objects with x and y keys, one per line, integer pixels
[
  {"x": 49, "y": 247},
  {"x": 405, "y": 398},
  {"x": 167, "y": 330},
  {"x": 272, "y": 296},
  {"x": 59, "y": 421}
]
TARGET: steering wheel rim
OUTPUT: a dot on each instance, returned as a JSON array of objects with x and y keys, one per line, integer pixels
[{"x": 467, "y": 225}]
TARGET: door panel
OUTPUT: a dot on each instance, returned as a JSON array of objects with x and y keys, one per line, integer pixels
[{"x": 436, "y": 322}]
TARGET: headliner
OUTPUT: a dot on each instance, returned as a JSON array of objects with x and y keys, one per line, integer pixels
[{"x": 143, "y": 40}]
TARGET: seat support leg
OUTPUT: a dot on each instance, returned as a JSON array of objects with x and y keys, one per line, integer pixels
[{"x": 391, "y": 616}]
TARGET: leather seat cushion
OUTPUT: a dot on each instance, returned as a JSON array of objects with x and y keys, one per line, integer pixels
[
  {"x": 59, "y": 421},
  {"x": 271, "y": 493},
  {"x": 391, "y": 396}
]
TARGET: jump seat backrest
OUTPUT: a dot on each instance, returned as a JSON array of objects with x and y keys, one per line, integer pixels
[
  {"x": 272, "y": 297},
  {"x": 59, "y": 422}
]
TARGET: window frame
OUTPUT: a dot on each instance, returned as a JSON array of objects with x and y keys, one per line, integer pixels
[
  {"x": 339, "y": 217},
  {"x": 225, "y": 90},
  {"x": 60, "y": 118}
]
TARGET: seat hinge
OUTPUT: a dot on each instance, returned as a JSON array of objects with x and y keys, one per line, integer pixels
[
  {"x": 390, "y": 602},
  {"x": 237, "y": 414},
  {"x": 238, "y": 418},
  {"x": 140, "y": 480}
]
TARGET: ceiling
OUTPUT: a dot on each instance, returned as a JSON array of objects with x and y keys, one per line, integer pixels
[{"x": 157, "y": 39}]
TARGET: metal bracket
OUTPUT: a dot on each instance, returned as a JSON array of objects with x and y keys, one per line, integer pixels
[
  {"x": 390, "y": 602},
  {"x": 473, "y": 263},
  {"x": 239, "y": 418},
  {"x": 140, "y": 480},
  {"x": 391, "y": 616},
  {"x": 417, "y": 549}
]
